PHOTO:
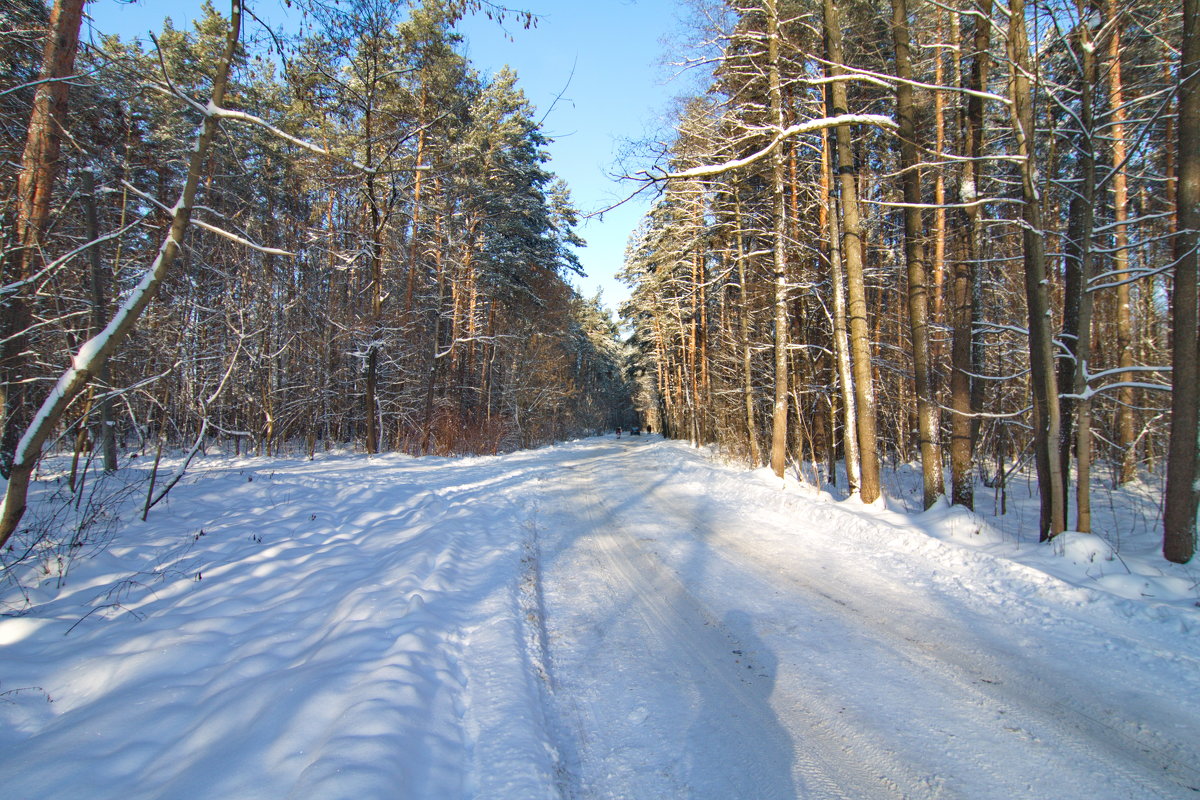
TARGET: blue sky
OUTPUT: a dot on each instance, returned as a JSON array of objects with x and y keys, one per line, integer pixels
[{"x": 603, "y": 56}]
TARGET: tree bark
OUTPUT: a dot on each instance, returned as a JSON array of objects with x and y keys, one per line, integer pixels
[
  {"x": 962, "y": 389},
  {"x": 939, "y": 189},
  {"x": 1047, "y": 418},
  {"x": 928, "y": 418},
  {"x": 375, "y": 220},
  {"x": 853, "y": 249},
  {"x": 1179, "y": 511},
  {"x": 743, "y": 313},
  {"x": 1126, "y": 434},
  {"x": 1077, "y": 300},
  {"x": 99, "y": 297},
  {"x": 35, "y": 188},
  {"x": 841, "y": 346},
  {"x": 779, "y": 417}
]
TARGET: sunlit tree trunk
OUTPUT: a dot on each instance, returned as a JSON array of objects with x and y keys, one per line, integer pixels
[
  {"x": 1047, "y": 419},
  {"x": 35, "y": 187},
  {"x": 939, "y": 186},
  {"x": 841, "y": 347},
  {"x": 853, "y": 251},
  {"x": 779, "y": 418},
  {"x": 743, "y": 313},
  {"x": 962, "y": 391},
  {"x": 928, "y": 418}
]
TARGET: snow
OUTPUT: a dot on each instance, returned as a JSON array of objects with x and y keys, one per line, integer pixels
[{"x": 599, "y": 619}]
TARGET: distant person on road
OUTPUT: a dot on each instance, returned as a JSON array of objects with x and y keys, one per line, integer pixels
[{"x": 618, "y": 433}]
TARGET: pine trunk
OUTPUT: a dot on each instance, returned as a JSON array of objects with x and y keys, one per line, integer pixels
[
  {"x": 1077, "y": 299},
  {"x": 962, "y": 389},
  {"x": 35, "y": 188},
  {"x": 1047, "y": 419},
  {"x": 928, "y": 418},
  {"x": 779, "y": 418},
  {"x": 853, "y": 251},
  {"x": 1125, "y": 427},
  {"x": 841, "y": 345},
  {"x": 1179, "y": 511}
]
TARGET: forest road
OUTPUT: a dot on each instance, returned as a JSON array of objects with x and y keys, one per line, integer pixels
[{"x": 705, "y": 644}]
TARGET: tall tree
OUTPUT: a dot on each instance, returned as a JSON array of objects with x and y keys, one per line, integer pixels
[
  {"x": 1182, "y": 492},
  {"x": 1047, "y": 416},
  {"x": 779, "y": 416},
  {"x": 34, "y": 190},
  {"x": 853, "y": 250},
  {"x": 1125, "y": 433},
  {"x": 964, "y": 369},
  {"x": 1077, "y": 299},
  {"x": 928, "y": 418}
]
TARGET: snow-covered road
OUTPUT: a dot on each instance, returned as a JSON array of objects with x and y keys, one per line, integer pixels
[
  {"x": 718, "y": 640},
  {"x": 600, "y": 619}
]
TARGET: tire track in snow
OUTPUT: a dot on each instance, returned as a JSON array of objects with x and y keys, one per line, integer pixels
[
  {"x": 716, "y": 679},
  {"x": 1081, "y": 733},
  {"x": 1036, "y": 700}
]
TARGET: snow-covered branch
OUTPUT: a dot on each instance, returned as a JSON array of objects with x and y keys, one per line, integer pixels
[
  {"x": 790, "y": 132},
  {"x": 233, "y": 237},
  {"x": 92, "y": 355},
  {"x": 242, "y": 116},
  {"x": 16, "y": 286},
  {"x": 985, "y": 414},
  {"x": 71, "y": 79}
]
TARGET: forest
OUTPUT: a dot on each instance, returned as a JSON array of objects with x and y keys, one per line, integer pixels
[
  {"x": 956, "y": 232},
  {"x": 349, "y": 235},
  {"x": 962, "y": 233}
]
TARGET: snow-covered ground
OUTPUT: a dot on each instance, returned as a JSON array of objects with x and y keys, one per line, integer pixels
[{"x": 601, "y": 619}]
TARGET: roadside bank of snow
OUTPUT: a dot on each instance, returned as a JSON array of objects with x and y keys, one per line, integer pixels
[
  {"x": 331, "y": 628},
  {"x": 1119, "y": 567}
]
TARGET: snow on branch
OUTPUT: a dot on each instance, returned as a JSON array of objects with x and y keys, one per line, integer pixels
[
  {"x": 790, "y": 132},
  {"x": 986, "y": 414},
  {"x": 11, "y": 288},
  {"x": 1091, "y": 391},
  {"x": 883, "y": 79},
  {"x": 209, "y": 227},
  {"x": 215, "y": 111},
  {"x": 271, "y": 251},
  {"x": 74, "y": 80},
  {"x": 241, "y": 116},
  {"x": 972, "y": 204}
]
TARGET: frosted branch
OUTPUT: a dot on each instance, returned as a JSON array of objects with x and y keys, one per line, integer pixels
[{"x": 784, "y": 135}]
